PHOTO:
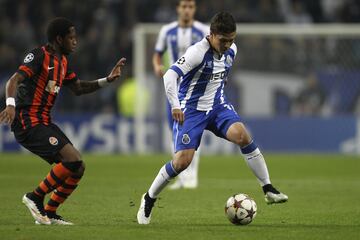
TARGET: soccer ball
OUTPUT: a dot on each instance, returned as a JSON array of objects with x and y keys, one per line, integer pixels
[{"x": 240, "y": 209}]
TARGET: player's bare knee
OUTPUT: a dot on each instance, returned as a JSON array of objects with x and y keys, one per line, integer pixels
[
  {"x": 81, "y": 169},
  {"x": 182, "y": 161},
  {"x": 70, "y": 154},
  {"x": 241, "y": 140},
  {"x": 72, "y": 158},
  {"x": 76, "y": 156},
  {"x": 76, "y": 167},
  {"x": 180, "y": 166},
  {"x": 240, "y": 137}
]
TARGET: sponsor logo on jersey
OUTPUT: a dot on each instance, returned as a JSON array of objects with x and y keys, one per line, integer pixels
[
  {"x": 185, "y": 139},
  {"x": 29, "y": 58},
  {"x": 53, "y": 141},
  {"x": 216, "y": 76}
]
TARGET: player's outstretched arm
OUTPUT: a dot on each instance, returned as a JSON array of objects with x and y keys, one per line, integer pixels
[
  {"x": 80, "y": 87},
  {"x": 8, "y": 114}
]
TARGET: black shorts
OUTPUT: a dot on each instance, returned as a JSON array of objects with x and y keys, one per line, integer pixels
[{"x": 46, "y": 141}]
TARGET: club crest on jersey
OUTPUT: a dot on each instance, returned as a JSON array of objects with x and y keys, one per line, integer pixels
[
  {"x": 185, "y": 139},
  {"x": 29, "y": 58},
  {"x": 229, "y": 60},
  {"x": 181, "y": 60},
  {"x": 53, "y": 141}
]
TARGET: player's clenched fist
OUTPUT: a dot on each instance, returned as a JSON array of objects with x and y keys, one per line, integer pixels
[
  {"x": 178, "y": 115},
  {"x": 7, "y": 116}
]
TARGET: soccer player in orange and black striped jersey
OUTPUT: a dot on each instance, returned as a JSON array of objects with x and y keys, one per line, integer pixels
[{"x": 30, "y": 95}]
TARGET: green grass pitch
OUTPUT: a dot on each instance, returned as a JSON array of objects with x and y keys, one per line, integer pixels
[{"x": 324, "y": 199}]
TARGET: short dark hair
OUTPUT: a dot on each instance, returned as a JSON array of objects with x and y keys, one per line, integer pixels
[
  {"x": 222, "y": 22},
  {"x": 58, "y": 27}
]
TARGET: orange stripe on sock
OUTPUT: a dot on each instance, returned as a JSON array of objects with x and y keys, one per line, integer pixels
[
  {"x": 61, "y": 171},
  {"x": 72, "y": 181},
  {"x": 56, "y": 198},
  {"x": 65, "y": 190},
  {"x": 51, "y": 180},
  {"x": 50, "y": 208},
  {"x": 43, "y": 187}
]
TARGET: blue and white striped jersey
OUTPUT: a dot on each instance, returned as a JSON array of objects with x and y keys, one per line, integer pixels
[
  {"x": 176, "y": 39},
  {"x": 203, "y": 74}
]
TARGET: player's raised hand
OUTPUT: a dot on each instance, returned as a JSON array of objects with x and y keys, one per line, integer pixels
[
  {"x": 178, "y": 115},
  {"x": 7, "y": 115},
  {"x": 116, "y": 71}
]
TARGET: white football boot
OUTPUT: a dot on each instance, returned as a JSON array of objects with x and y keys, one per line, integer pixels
[
  {"x": 144, "y": 213},
  {"x": 57, "y": 219},
  {"x": 272, "y": 195},
  {"x": 271, "y": 198},
  {"x": 36, "y": 209}
]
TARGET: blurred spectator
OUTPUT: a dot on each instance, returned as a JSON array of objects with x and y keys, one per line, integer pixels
[
  {"x": 331, "y": 9},
  {"x": 350, "y": 12},
  {"x": 268, "y": 12},
  {"x": 104, "y": 32},
  {"x": 295, "y": 12},
  {"x": 311, "y": 98}
]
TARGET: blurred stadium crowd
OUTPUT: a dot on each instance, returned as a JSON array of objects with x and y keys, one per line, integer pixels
[{"x": 105, "y": 32}]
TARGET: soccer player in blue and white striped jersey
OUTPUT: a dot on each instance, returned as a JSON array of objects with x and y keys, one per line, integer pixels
[
  {"x": 175, "y": 38},
  {"x": 200, "y": 104}
]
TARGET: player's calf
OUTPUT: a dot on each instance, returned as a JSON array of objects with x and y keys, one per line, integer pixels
[{"x": 62, "y": 192}]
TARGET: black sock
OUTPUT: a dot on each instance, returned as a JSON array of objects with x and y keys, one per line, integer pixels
[
  {"x": 34, "y": 196},
  {"x": 148, "y": 198},
  {"x": 269, "y": 188}
]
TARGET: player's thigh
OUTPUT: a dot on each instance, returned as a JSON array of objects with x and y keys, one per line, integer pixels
[
  {"x": 222, "y": 118},
  {"x": 68, "y": 153},
  {"x": 188, "y": 135},
  {"x": 44, "y": 141}
]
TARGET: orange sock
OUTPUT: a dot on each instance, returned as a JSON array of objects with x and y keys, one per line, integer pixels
[
  {"x": 55, "y": 178},
  {"x": 62, "y": 193}
]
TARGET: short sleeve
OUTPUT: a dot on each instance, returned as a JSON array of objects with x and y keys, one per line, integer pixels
[
  {"x": 160, "y": 46},
  {"x": 70, "y": 77},
  {"x": 234, "y": 48},
  {"x": 190, "y": 60},
  {"x": 32, "y": 63}
]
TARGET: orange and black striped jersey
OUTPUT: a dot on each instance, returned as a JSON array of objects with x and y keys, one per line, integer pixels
[{"x": 44, "y": 73}]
